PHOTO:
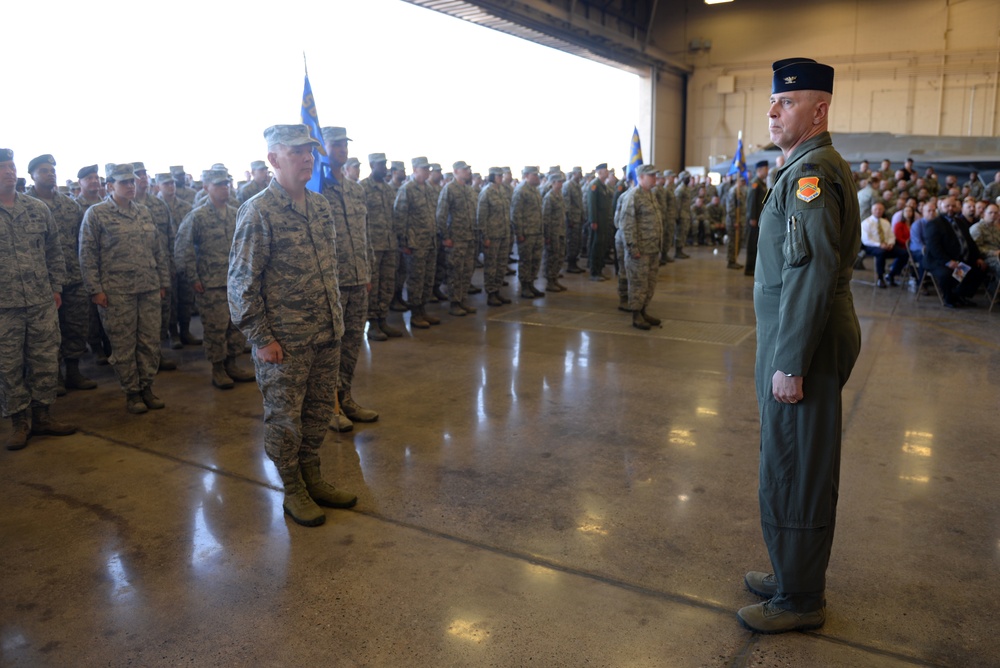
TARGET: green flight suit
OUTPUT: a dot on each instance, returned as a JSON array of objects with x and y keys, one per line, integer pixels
[
  {"x": 806, "y": 326},
  {"x": 599, "y": 211}
]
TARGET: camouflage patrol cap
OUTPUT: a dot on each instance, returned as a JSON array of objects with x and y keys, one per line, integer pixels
[
  {"x": 529, "y": 169},
  {"x": 86, "y": 171},
  {"x": 668, "y": 173},
  {"x": 554, "y": 169},
  {"x": 289, "y": 135},
  {"x": 6, "y": 155},
  {"x": 122, "y": 171},
  {"x": 46, "y": 159},
  {"x": 435, "y": 167},
  {"x": 477, "y": 175},
  {"x": 257, "y": 164},
  {"x": 219, "y": 165},
  {"x": 376, "y": 157},
  {"x": 138, "y": 167},
  {"x": 495, "y": 171},
  {"x": 556, "y": 176},
  {"x": 215, "y": 176},
  {"x": 684, "y": 175},
  {"x": 332, "y": 134},
  {"x": 165, "y": 178},
  {"x": 398, "y": 165},
  {"x": 505, "y": 170},
  {"x": 353, "y": 161},
  {"x": 420, "y": 161},
  {"x": 177, "y": 170},
  {"x": 645, "y": 169},
  {"x": 461, "y": 164},
  {"x": 578, "y": 170}
]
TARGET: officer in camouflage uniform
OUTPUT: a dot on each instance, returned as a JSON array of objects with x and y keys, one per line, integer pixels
[
  {"x": 736, "y": 206},
  {"x": 126, "y": 273},
  {"x": 202, "y": 250},
  {"x": 257, "y": 183},
  {"x": 456, "y": 223},
  {"x": 554, "y": 231},
  {"x": 493, "y": 225},
  {"x": 413, "y": 213},
  {"x": 74, "y": 314},
  {"x": 283, "y": 295},
  {"x": 32, "y": 271},
  {"x": 436, "y": 183},
  {"x": 526, "y": 222},
  {"x": 167, "y": 236},
  {"x": 379, "y": 198},
  {"x": 355, "y": 259},
  {"x": 641, "y": 232},
  {"x": 397, "y": 176},
  {"x": 181, "y": 291},
  {"x": 684, "y": 195},
  {"x": 600, "y": 218},
  {"x": 573, "y": 198},
  {"x": 92, "y": 192},
  {"x": 808, "y": 340}
]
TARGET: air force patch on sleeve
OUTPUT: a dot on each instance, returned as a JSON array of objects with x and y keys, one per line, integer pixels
[{"x": 808, "y": 188}]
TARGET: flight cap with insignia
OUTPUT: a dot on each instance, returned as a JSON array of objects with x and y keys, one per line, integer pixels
[
  {"x": 760, "y": 164},
  {"x": 801, "y": 74},
  {"x": 601, "y": 166},
  {"x": 86, "y": 171},
  {"x": 46, "y": 159},
  {"x": 6, "y": 155}
]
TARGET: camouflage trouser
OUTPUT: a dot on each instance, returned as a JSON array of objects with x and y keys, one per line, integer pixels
[
  {"x": 400, "y": 274},
  {"x": 95, "y": 330},
  {"x": 667, "y": 245},
  {"x": 383, "y": 283},
  {"x": 642, "y": 273},
  {"x": 132, "y": 323},
  {"x": 683, "y": 229},
  {"x": 420, "y": 265},
  {"x": 574, "y": 230},
  {"x": 495, "y": 264},
  {"x": 529, "y": 254},
  {"x": 441, "y": 267},
  {"x": 585, "y": 233},
  {"x": 354, "y": 301},
  {"x": 74, "y": 321},
  {"x": 461, "y": 264},
  {"x": 29, "y": 356},
  {"x": 299, "y": 398},
  {"x": 221, "y": 338},
  {"x": 555, "y": 253},
  {"x": 732, "y": 245},
  {"x": 168, "y": 309},
  {"x": 185, "y": 299},
  {"x": 622, "y": 272}
]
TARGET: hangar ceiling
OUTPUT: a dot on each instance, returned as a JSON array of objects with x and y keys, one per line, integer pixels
[{"x": 613, "y": 32}]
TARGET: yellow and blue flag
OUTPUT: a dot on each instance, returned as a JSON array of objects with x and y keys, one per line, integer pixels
[
  {"x": 311, "y": 120},
  {"x": 739, "y": 165},
  {"x": 634, "y": 156}
]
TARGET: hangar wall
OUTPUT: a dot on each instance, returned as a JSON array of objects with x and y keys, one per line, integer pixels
[{"x": 903, "y": 66}]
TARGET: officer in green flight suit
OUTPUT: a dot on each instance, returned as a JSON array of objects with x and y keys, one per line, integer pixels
[{"x": 808, "y": 339}]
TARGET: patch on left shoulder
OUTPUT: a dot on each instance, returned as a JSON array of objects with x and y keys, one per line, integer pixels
[{"x": 808, "y": 188}]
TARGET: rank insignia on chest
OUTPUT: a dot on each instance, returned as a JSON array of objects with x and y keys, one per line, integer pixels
[{"x": 808, "y": 188}]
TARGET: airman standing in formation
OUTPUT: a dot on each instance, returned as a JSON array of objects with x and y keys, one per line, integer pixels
[
  {"x": 684, "y": 195},
  {"x": 572, "y": 194},
  {"x": 755, "y": 204},
  {"x": 554, "y": 226},
  {"x": 456, "y": 223},
  {"x": 383, "y": 237},
  {"x": 493, "y": 224},
  {"x": 526, "y": 222},
  {"x": 126, "y": 273},
  {"x": 258, "y": 181},
  {"x": 736, "y": 206},
  {"x": 414, "y": 215},
  {"x": 181, "y": 295},
  {"x": 641, "y": 233},
  {"x": 32, "y": 271},
  {"x": 74, "y": 313},
  {"x": 600, "y": 219},
  {"x": 284, "y": 296},
  {"x": 204, "y": 239},
  {"x": 355, "y": 259}
]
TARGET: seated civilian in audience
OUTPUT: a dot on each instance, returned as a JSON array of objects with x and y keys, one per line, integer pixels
[
  {"x": 969, "y": 211},
  {"x": 980, "y": 208},
  {"x": 947, "y": 244},
  {"x": 986, "y": 234},
  {"x": 878, "y": 241},
  {"x": 908, "y": 168},
  {"x": 901, "y": 223},
  {"x": 916, "y": 245}
]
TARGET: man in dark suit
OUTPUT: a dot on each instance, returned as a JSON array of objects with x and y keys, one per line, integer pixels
[{"x": 947, "y": 243}]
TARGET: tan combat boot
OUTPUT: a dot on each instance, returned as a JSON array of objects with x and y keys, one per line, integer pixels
[
  {"x": 322, "y": 492},
  {"x": 43, "y": 424},
  {"x": 298, "y": 504},
  {"x": 20, "y": 431},
  {"x": 220, "y": 378},
  {"x": 236, "y": 372},
  {"x": 353, "y": 411}
]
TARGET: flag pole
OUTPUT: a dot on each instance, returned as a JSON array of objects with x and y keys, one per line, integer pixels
[
  {"x": 305, "y": 64},
  {"x": 738, "y": 223}
]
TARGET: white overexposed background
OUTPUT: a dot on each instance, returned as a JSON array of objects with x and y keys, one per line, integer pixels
[{"x": 197, "y": 83}]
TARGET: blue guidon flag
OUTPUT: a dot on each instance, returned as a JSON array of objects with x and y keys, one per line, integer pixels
[
  {"x": 311, "y": 120},
  {"x": 634, "y": 156},
  {"x": 739, "y": 165}
]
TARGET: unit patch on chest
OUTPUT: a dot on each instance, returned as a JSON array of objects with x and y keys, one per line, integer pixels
[{"x": 808, "y": 188}]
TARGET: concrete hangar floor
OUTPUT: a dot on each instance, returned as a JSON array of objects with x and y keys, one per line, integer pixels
[{"x": 545, "y": 486}]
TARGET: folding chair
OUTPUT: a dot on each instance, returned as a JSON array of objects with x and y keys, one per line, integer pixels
[
  {"x": 913, "y": 266},
  {"x": 994, "y": 298}
]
